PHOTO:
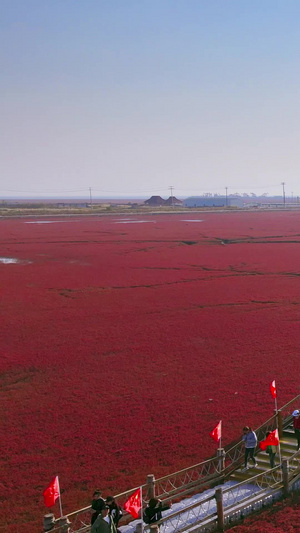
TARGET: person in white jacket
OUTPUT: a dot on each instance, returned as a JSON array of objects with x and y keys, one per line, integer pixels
[{"x": 250, "y": 440}]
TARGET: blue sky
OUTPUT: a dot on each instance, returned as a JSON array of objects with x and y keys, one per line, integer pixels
[{"x": 132, "y": 96}]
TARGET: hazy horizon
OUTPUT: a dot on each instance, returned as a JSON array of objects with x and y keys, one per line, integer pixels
[
  {"x": 131, "y": 98},
  {"x": 166, "y": 195}
]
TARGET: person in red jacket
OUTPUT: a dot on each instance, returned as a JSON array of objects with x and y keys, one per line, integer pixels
[{"x": 296, "y": 424}]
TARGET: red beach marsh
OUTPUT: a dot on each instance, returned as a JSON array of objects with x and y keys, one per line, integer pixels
[{"x": 125, "y": 340}]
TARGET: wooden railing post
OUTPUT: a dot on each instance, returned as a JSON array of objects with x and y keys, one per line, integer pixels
[
  {"x": 285, "y": 477},
  {"x": 49, "y": 522},
  {"x": 280, "y": 423},
  {"x": 220, "y": 509},
  {"x": 221, "y": 457},
  {"x": 64, "y": 524},
  {"x": 150, "y": 486}
]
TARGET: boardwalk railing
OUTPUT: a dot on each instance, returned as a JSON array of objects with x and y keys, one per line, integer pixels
[
  {"x": 192, "y": 480},
  {"x": 80, "y": 521},
  {"x": 234, "y": 455},
  {"x": 186, "y": 481},
  {"x": 234, "y": 497}
]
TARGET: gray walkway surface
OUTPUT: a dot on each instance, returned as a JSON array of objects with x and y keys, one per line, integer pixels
[{"x": 187, "y": 518}]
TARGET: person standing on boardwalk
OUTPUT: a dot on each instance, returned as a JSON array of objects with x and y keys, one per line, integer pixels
[
  {"x": 271, "y": 450},
  {"x": 115, "y": 510},
  {"x": 153, "y": 511},
  {"x": 296, "y": 424},
  {"x": 103, "y": 524},
  {"x": 250, "y": 440},
  {"x": 98, "y": 504}
]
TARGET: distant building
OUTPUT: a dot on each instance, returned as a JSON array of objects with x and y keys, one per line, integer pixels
[
  {"x": 172, "y": 200},
  {"x": 155, "y": 201},
  {"x": 159, "y": 201},
  {"x": 213, "y": 201}
]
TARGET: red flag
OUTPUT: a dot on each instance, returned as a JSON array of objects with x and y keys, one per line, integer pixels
[
  {"x": 51, "y": 493},
  {"x": 216, "y": 432},
  {"x": 271, "y": 440},
  {"x": 273, "y": 389},
  {"x": 134, "y": 503}
]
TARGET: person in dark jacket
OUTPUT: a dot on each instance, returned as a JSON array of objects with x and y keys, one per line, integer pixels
[
  {"x": 296, "y": 424},
  {"x": 98, "y": 504},
  {"x": 115, "y": 510},
  {"x": 154, "y": 510}
]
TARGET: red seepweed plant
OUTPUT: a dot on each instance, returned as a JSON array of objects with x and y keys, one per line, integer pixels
[{"x": 124, "y": 343}]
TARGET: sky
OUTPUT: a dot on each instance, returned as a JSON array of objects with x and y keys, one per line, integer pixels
[{"x": 132, "y": 97}]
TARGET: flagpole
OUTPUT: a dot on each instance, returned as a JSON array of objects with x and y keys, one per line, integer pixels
[
  {"x": 276, "y": 411},
  {"x": 220, "y": 446},
  {"x": 60, "y": 506},
  {"x": 273, "y": 390},
  {"x": 141, "y": 495}
]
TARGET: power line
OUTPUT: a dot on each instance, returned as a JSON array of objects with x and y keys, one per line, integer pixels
[
  {"x": 135, "y": 191},
  {"x": 43, "y": 191}
]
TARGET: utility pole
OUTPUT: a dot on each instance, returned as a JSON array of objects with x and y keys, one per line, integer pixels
[
  {"x": 172, "y": 187},
  {"x": 283, "y": 192},
  {"x": 91, "y": 200},
  {"x": 226, "y": 189}
]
